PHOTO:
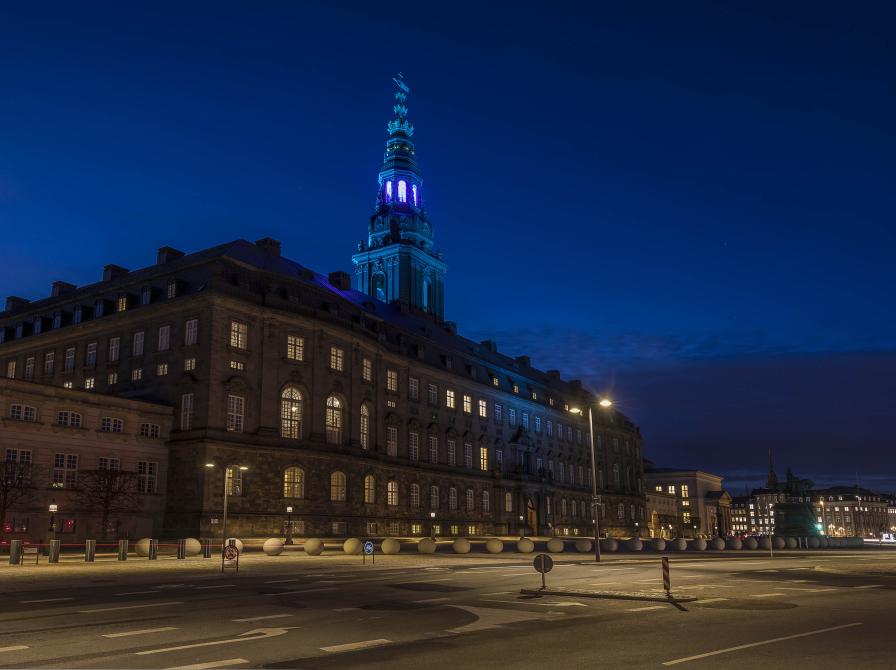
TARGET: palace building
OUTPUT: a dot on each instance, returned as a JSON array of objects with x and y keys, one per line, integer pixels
[{"x": 362, "y": 409}]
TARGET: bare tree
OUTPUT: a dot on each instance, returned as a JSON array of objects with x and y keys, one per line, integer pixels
[
  {"x": 107, "y": 493},
  {"x": 16, "y": 486}
]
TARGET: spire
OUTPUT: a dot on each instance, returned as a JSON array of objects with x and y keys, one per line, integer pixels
[
  {"x": 400, "y": 122},
  {"x": 772, "y": 477}
]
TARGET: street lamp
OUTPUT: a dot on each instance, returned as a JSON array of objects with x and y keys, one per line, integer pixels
[
  {"x": 53, "y": 509},
  {"x": 242, "y": 468},
  {"x": 289, "y": 524},
  {"x": 521, "y": 528},
  {"x": 432, "y": 525},
  {"x": 595, "y": 500}
]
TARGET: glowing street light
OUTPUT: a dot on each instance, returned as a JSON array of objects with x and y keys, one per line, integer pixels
[
  {"x": 595, "y": 500},
  {"x": 242, "y": 468}
]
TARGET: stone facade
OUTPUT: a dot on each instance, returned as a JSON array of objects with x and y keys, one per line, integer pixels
[{"x": 704, "y": 506}]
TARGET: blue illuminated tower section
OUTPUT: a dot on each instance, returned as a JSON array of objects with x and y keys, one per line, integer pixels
[{"x": 398, "y": 262}]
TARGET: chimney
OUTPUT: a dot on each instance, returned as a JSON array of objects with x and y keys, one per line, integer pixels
[
  {"x": 269, "y": 245},
  {"x": 62, "y": 288},
  {"x": 490, "y": 345},
  {"x": 14, "y": 303},
  {"x": 167, "y": 254},
  {"x": 113, "y": 272},
  {"x": 338, "y": 279},
  {"x": 523, "y": 361},
  {"x": 553, "y": 375}
]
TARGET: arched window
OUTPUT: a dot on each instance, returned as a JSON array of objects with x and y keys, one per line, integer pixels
[
  {"x": 388, "y": 191},
  {"x": 334, "y": 420},
  {"x": 470, "y": 500},
  {"x": 508, "y": 501},
  {"x": 293, "y": 483},
  {"x": 402, "y": 191},
  {"x": 337, "y": 486},
  {"x": 365, "y": 426},
  {"x": 234, "y": 480},
  {"x": 415, "y": 496},
  {"x": 452, "y": 499},
  {"x": 575, "y": 508},
  {"x": 616, "y": 475},
  {"x": 392, "y": 493},
  {"x": 369, "y": 489},
  {"x": 414, "y": 192},
  {"x": 563, "y": 506},
  {"x": 433, "y": 497},
  {"x": 485, "y": 501},
  {"x": 426, "y": 289},
  {"x": 379, "y": 286},
  {"x": 291, "y": 413}
]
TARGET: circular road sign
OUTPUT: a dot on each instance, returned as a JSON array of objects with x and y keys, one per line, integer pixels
[
  {"x": 230, "y": 552},
  {"x": 543, "y": 563},
  {"x": 368, "y": 547}
]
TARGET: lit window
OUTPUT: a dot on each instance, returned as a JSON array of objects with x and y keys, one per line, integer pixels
[
  {"x": 369, "y": 489},
  {"x": 414, "y": 192},
  {"x": 239, "y": 334},
  {"x": 496, "y": 381},
  {"x": 291, "y": 413},
  {"x": 468, "y": 404},
  {"x": 402, "y": 191},
  {"x": 68, "y": 385},
  {"x": 392, "y": 493},
  {"x": 367, "y": 370},
  {"x": 295, "y": 348},
  {"x": 337, "y": 486},
  {"x": 11, "y": 370},
  {"x": 122, "y": 303},
  {"x": 483, "y": 459},
  {"x": 337, "y": 359},
  {"x": 237, "y": 365},
  {"x": 191, "y": 331},
  {"x": 136, "y": 374},
  {"x": 186, "y": 411},
  {"x": 189, "y": 364},
  {"x": 483, "y": 409},
  {"x": 236, "y": 406},
  {"x": 392, "y": 381},
  {"x": 334, "y": 420},
  {"x": 516, "y": 388},
  {"x": 388, "y": 191},
  {"x": 234, "y": 481},
  {"x": 449, "y": 399},
  {"x": 508, "y": 501},
  {"x": 89, "y": 383},
  {"x": 293, "y": 483}
]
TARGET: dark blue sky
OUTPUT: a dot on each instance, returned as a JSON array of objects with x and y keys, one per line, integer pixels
[{"x": 690, "y": 206}]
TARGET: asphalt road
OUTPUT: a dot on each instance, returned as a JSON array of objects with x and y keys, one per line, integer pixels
[{"x": 463, "y": 612}]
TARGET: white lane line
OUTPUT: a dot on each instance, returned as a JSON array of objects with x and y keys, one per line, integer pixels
[
  {"x": 351, "y": 646},
  {"x": 445, "y": 579},
  {"x": 45, "y": 600},
  {"x": 134, "y": 593},
  {"x": 130, "y": 607},
  {"x": 703, "y": 601},
  {"x": 346, "y": 609},
  {"x": 283, "y": 581},
  {"x": 216, "y": 586},
  {"x": 768, "y": 595},
  {"x": 869, "y": 586},
  {"x": 432, "y": 600},
  {"x": 145, "y": 631},
  {"x": 758, "y": 644},
  {"x": 516, "y": 574},
  {"x": 289, "y": 593},
  {"x": 262, "y": 618},
  {"x": 807, "y": 590},
  {"x": 210, "y": 664},
  {"x": 646, "y": 609},
  {"x": 17, "y": 647},
  {"x": 561, "y": 603},
  {"x": 498, "y": 593}
]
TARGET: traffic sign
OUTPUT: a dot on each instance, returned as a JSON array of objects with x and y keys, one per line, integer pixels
[
  {"x": 543, "y": 563},
  {"x": 230, "y": 553},
  {"x": 368, "y": 547}
]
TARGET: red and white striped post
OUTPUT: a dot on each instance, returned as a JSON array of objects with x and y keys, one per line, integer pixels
[{"x": 667, "y": 583}]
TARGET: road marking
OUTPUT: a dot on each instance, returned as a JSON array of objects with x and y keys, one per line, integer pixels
[
  {"x": 561, "y": 603},
  {"x": 767, "y": 595},
  {"x": 448, "y": 579},
  {"x": 345, "y": 609},
  {"x": 282, "y": 581},
  {"x": 216, "y": 586},
  {"x": 504, "y": 593},
  {"x": 145, "y": 631},
  {"x": 248, "y": 636},
  {"x": 45, "y": 600},
  {"x": 17, "y": 647},
  {"x": 869, "y": 586},
  {"x": 134, "y": 593},
  {"x": 432, "y": 600},
  {"x": 758, "y": 644},
  {"x": 262, "y": 618},
  {"x": 287, "y": 593},
  {"x": 210, "y": 664},
  {"x": 803, "y": 588},
  {"x": 645, "y": 609},
  {"x": 492, "y": 617},
  {"x": 351, "y": 646},
  {"x": 604, "y": 583},
  {"x": 130, "y": 607},
  {"x": 516, "y": 574},
  {"x": 171, "y": 586},
  {"x": 710, "y": 600}
]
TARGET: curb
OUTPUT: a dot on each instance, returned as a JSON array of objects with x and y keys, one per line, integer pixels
[{"x": 612, "y": 595}]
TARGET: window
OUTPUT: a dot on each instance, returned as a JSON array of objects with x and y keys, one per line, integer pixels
[
  {"x": 671, "y": 489},
  {"x": 65, "y": 471},
  {"x": 684, "y": 490},
  {"x": 483, "y": 409},
  {"x": 449, "y": 399},
  {"x": 67, "y": 418},
  {"x": 189, "y": 364},
  {"x": 334, "y": 420},
  {"x": 234, "y": 484},
  {"x": 110, "y": 424},
  {"x": 369, "y": 489},
  {"x": 402, "y": 191},
  {"x": 291, "y": 413},
  {"x": 496, "y": 382},
  {"x": 508, "y": 501},
  {"x": 161, "y": 369},
  {"x": 616, "y": 475},
  {"x": 18, "y": 464},
  {"x": 452, "y": 452},
  {"x": 499, "y": 413},
  {"x": 191, "y": 331},
  {"x": 98, "y": 307},
  {"x": 575, "y": 508},
  {"x": 537, "y": 424},
  {"x": 337, "y": 359},
  {"x": 415, "y": 496},
  {"x": 391, "y": 441},
  {"x": 392, "y": 493},
  {"x": 186, "y": 411},
  {"x": 337, "y": 486},
  {"x": 551, "y": 468},
  {"x": 516, "y": 388},
  {"x": 470, "y": 500},
  {"x": 468, "y": 404},
  {"x": 136, "y": 374},
  {"x": 433, "y": 497},
  {"x": 109, "y": 463},
  {"x": 29, "y": 367},
  {"x": 236, "y": 407},
  {"x": 559, "y": 431},
  {"x": 147, "y": 473},
  {"x": 137, "y": 344},
  {"x": 49, "y": 362},
  {"x": 164, "y": 338},
  {"x": 549, "y": 428},
  {"x": 483, "y": 459},
  {"x": 68, "y": 385},
  {"x": 149, "y": 430},
  {"x": 239, "y": 334},
  {"x": 10, "y": 369},
  {"x": 433, "y": 449},
  {"x": 433, "y": 394},
  {"x": 413, "y": 446},
  {"x": 525, "y": 420},
  {"x": 511, "y": 416},
  {"x": 69, "y": 363},
  {"x": 413, "y": 388},
  {"x": 468, "y": 455},
  {"x": 367, "y": 370},
  {"x": 145, "y": 295},
  {"x": 293, "y": 483},
  {"x": 452, "y": 499},
  {"x": 392, "y": 381},
  {"x": 563, "y": 507},
  {"x": 89, "y": 383},
  {"x": 76, "y": 317},
  {"x": 499, "y": 458},
  {"x": 114, "y": 349},
  {"x": 572, "y": 474},
  {"x": 561, "y": 473},
  {"x": 171, "y": 290}
]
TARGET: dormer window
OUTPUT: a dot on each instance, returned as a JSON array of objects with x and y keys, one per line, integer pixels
[
  {"x": 122, "y": 303},
  {"x": 98, "y": 308},
  {"x": 402, "y": 191},
  {"x": 37, "y": 326},
  {"x": 57, "y": 319},
  {"x": 78, "y": 314},
  {"x": 172, "y": 288},
  {"x": 145, "y": 295}
]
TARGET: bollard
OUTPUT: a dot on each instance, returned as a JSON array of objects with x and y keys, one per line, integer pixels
[
  {"x": 667, "y": 582},
  {"x": 15, "y": 552},
  {"x": 89, "y": 550},
  {"x": 53, "y": 556},
  {"x": 122, "y": 550},
  {"x": 206, "y": 548},
  {"x": 153, "y": 549},
  {"x": 181, "y": 548}
]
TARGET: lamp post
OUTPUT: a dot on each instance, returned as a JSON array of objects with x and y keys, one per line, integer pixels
[
  {"x": 53, "y": 509},
  {"x": 595, "y": 499},
  {"x": 242, "y": 468},
  {"x": 521, "y": 528},
  {"x": 432, "y": 525},
  {"x": 289, "y": 524}
]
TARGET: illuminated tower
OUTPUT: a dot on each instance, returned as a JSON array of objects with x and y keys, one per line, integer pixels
[{"x": 398, "y": 262}]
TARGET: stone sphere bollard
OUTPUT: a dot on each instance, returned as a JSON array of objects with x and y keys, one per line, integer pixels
[
  {"x": 791, "y": 543},
  {"x": 778, "y": 542},
  {"x": 352, "y": 546},
  {"x": 583, "y": 546},
  {"x": 658, "y": 544},
  {"x": 717, "y": 544},
  {"x": 426, "y": 546},
  {"x": 525, "y": 546},
  {"x": 313, "y": 547},
  {"x": 494, "y": 546},
  {"x": 734, "y": 543},
  {"x": 680, "y": 544},
  {"x": 192, "y": 546},
  {"x": 461, "y": 546},
  {"x": 750, "y": 543},
  {"x": 555, "y": 545},
  {"x": 141, "y": 547},
  {"x": 239, "y": 543},
  {"x": 813, "y": 543},
  {"x": 765, "y": 542},
  {"x": 390, "y": 546},
  {"x": 634, "y": 544},
  {"x": 272, "y": 546},
  {"x": 698, "y": 545},
  {"x": 609, "y": 544}
]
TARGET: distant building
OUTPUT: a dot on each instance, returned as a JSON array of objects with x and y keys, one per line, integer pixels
[
  {"x": 851, "y": 511},
  {"x": 663, "y": 514},
  {"x": 704, "y": 507}
]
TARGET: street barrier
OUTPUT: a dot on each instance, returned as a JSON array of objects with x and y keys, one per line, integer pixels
[
  {"x": 555, "y": 545},
  {"x": 461, "y": 545},
  {"x": 181, "y": 549},
  {"x": 153, "y": 550},
  {"x": 122, "y": 550},
  {"x": 89, "y": 551},
  {"x": 390, "y": 546},
  {"x": 206, "y": 548},
  {"x": 15, "y": 552},
  {"x": 55, "y": 546},
  {"x": 494, "y": 545},
  {"x": 273, "y": 546}
]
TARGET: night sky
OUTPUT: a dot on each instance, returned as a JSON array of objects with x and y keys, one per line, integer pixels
[{"x": 689, "y": 206}]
